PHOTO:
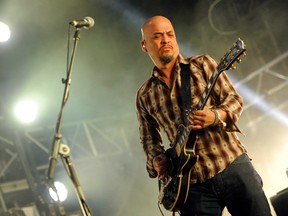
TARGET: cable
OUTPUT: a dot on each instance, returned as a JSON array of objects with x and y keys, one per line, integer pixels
[{"x": 160, "y": 209}]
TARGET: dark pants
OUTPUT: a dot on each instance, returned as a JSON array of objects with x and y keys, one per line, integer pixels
[{"x": 238, "y": 187}]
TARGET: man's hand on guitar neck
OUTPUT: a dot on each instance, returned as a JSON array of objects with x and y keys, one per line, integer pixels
[
  {"x": 200, "y": 119},
  {"x": 160, "y": 164}
]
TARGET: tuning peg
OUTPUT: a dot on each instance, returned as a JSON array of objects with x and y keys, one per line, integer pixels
[
  {"x": 244, "y": 54},
  {"x": 233, "y": 67},
  {"x": 238, "y": 60}
]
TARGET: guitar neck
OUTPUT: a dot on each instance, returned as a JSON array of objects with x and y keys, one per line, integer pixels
[
  {"x": 233, "y": 55},
  {"x": 208, "y": 90}
]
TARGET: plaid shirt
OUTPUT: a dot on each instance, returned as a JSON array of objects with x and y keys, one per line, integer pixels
[{"x": 159, "y": 108}]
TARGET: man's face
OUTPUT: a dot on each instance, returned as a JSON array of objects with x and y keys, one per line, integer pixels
[{"x": 159, "y": 40}]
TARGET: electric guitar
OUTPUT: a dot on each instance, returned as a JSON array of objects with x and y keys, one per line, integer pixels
[{"x": 181, "y": 156}]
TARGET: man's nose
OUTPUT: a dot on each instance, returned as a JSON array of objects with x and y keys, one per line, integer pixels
[{"x": 165, "y": 39}]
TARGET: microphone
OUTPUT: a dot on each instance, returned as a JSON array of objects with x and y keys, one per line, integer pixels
[{"x": 87, "y": 22}]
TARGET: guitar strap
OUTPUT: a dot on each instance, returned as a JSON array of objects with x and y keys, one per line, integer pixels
[{"x": 186, "y": 91}]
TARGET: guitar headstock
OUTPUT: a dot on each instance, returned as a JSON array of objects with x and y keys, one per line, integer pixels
[{"x": 233, "y": 55}]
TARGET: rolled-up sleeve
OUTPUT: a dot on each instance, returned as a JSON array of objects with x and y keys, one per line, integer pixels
[{"x": 228, "y": 98}]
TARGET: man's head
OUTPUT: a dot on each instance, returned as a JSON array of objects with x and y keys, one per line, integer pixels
[{"x": 159, "y": 40}]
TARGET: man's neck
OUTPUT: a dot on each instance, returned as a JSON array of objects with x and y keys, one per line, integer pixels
[
  {"x": 166, "y": 70},
  {"x": 167, "y": 73}
]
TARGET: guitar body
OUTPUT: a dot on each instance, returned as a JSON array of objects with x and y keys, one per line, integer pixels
[{"x": 174, "y": 190}]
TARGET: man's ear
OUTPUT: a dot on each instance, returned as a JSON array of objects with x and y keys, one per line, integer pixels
[{"x": 143, "y": 46}]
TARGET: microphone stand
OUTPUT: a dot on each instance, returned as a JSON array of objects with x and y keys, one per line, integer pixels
[{"x": 62, "y": 150}]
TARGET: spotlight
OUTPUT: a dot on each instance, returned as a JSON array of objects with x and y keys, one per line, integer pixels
[
  {"x": 26, "y": 111},
  {"x": 61, "y": 192},
  {"x": 4, "y": 32}
]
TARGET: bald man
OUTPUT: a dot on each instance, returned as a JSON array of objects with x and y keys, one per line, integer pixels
[{"x": 223, "y": 175}]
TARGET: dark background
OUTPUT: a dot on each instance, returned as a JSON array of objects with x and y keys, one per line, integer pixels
[{"x": 100, "y": 124}]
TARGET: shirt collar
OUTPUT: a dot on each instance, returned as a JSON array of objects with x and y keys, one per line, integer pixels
[{"x": 181, "y": 60}]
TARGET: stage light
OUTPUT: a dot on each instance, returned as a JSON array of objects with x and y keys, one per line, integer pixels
[
  {"x": 61, "y": 192},
  {"x": 4, "y": 32},
  {"x": 26, "y": 111}
]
